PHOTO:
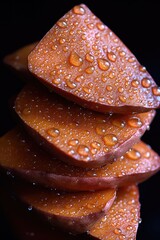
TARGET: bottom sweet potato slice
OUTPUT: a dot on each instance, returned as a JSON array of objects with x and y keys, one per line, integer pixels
[
  {"x": 24, "y": 158},
  {"x": 74, "y": 212},
  {"x": 25, "y": 225},
  {"x": 121, "y": 222}
]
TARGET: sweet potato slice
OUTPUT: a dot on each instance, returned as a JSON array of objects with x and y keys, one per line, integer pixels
[
  {"x": 18, "y": 60},
  {"x": 77, "y": 135},
  {"x": 24, "y": 158},
  {"x": 121, "y": 222},
  {"x": 26, "y": 225},
  {"x": 83, "y": 60},
  {"x": 73, "y": 212}
]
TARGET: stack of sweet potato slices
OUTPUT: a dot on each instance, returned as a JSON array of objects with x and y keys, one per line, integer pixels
[{"x": 76, "y": 157}]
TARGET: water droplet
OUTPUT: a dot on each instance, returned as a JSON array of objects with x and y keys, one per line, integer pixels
[
  {"x": 83, "y": 37},
  {"x": 53, "y": 132},
  {"x": 96, "y": 145},
  {"x": 89, "y": 70},
  {"x": 119, "y": 123},
  {"x": 62, "y": 24},
  {"x": 140, "y": 220},
  {"x": 131, "y": 59},
  {"x": 122, "y": 98},
  {"x": 135, "y": 83},
  {"x": 71, "y": 84},
  {"x": 156, "y": 91},
  {"x": 73, "y": 142},
  {"x": 146, "y": 83},
  {"x": 147, "y": 154},
  {"x": 111, "y": 56},
  {"x": 79, "y": 10},
  {"x": 65, "y": 48},
  {"x": 62, "y": 40},
  {"x": 133, "y": 154},
  {"x": 100, "y": 26},
  {"x": 109, "y": 88},
  {"x": 103, "y": 64},
  {"x": 134, "y": 122},
  {"x": 101, "y": 99},
  {"x": 90, "y": 206},
  {"x": 122, "y": 53},
  {"x": 86, "y": 90},
  {"x": 29, "y": 208},
  {"x": 97, "y": 35},
  {"x": 100, "y": 131},
  {"x": 83, "y": 150},
  {"x": 26, "y": 111},
  {"x": 54, "y": 47},
  {"x": 129, "y": 227},
  {"x": 71, "y": 152},
  {"x": 120, "y": 89},
  {"x": 111, "y": 75},
  {"x": 90, "y": 25},
  {"x": 110, "y": 139},
  {"x": 75, "y": 59},
  {"x": 142, "y": 69},
  {"x": 79, "y": 78},
  {"x": 117, "y": 231},
  {"x": 56, "y": 81},
  {"x": 89, "y": 57}
]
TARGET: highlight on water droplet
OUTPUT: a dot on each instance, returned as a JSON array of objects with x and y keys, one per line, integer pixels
[
  {"x": 53, "y": 132},
  {"x": 103, "y": 64},
  {"x": 133, "y": 154},
  {"x": 75, "y": 59},
  {"x": 134, "y": 122},
  {"x": 79, "y": 10},
  {"x": 110, "y": 140}
]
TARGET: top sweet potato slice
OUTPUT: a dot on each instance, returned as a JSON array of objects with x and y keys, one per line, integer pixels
[
  {"x": 18, "y": 60},
  {"x": 74, "y": 134},
  {"x": 121, "y": 222},
  {"x": 21, "y": 157},
  {"x": 73, "y": 212},
  {"x": 83, "y": 60}
]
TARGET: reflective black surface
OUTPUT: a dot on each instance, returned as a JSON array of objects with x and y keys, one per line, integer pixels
[{"x": 135, "y": 22}]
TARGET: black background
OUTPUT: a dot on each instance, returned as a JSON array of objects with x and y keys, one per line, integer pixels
[{"x": 137, "y": 23}]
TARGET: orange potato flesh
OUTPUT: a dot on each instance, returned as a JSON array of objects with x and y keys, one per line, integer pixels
[
  {"x": 18, "y": 60},
  {"x": 83, "y": 60},
  {"x": 76, "y": 135},
  {"x": 74, "y": 212},
  {"x": 121, "y": 222},
  {"x": 26, "y": 159},
  {"x": 26, "y": 225}
]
